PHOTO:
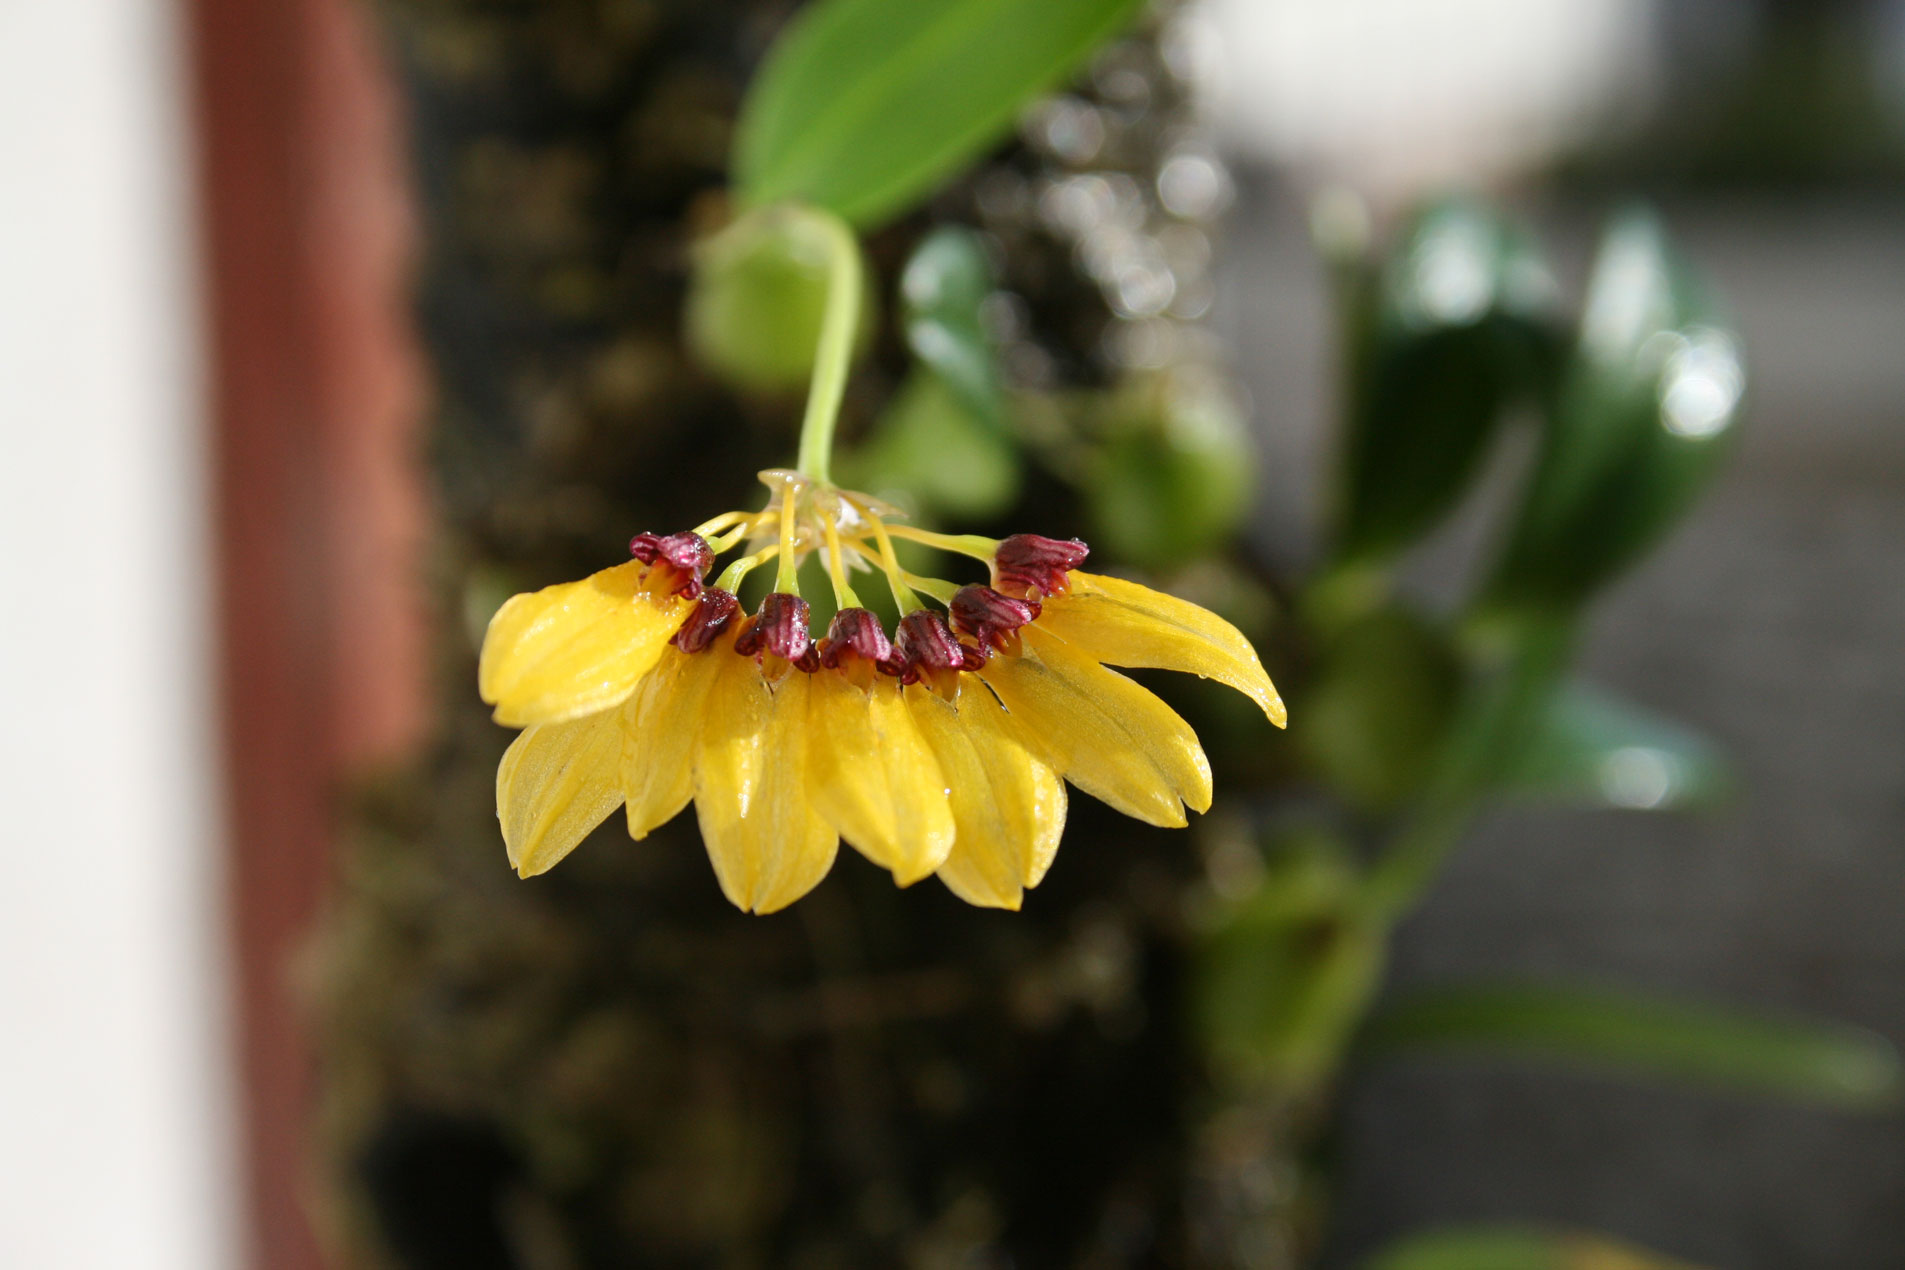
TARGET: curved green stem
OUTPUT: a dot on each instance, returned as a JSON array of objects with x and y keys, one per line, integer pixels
[
  {"x": 903, "y": 597},
  {"x": 1500, "y": 709},
  {"x": 833, "y": 356}
]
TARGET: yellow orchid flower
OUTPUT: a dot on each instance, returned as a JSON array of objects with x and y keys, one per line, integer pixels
[{"x": 944, "y": 750}]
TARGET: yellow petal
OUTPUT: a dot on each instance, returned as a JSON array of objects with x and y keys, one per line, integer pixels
[
  {"x": 1124, "y": 624},
  {"x": 555, "y": 784},
  {"x": 575, "y": 648},
  {"x": 665, "y": 716},
  {"x": 1165, "y": 738},
  {"x": 768, "y": 844},
  {"x": 1108, "y": 736},
  {"x": 1008, "y": 805},
  {"x": 875, "y": 777}
]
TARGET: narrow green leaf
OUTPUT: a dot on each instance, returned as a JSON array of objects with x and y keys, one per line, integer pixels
[
  {"x": 1493, "y": 1247},
  {"x": 1460, "y": 322},
  {"x": 942, "y": 288},
  {"x": 1702, "y": 1044},
  {"x": 1649, "y": 405},
  {"x": 865, "y": 107},
  {"x": 1592, "y": 749}
]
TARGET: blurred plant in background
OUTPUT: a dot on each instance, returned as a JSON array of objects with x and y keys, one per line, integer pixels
[{"x": 610, "y": 1067}]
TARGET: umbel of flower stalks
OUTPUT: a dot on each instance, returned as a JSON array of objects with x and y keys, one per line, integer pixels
[{"x": 942, "y": 749}]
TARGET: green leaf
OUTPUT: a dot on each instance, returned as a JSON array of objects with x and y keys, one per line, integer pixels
[
  {"x": 1702, "y": 1044},
  {"x": 1459, "y": 324},
  {"x": 944, "y": 284},
  {"x": 1592, "y": 749},
  {"x": 865, "y": 107},
  {"x": 1648, "y": 407},
  {"x": 1492, "y": 1247}
]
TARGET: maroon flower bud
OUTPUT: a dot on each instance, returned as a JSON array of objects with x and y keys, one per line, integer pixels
[
  {"x": 780, "y": 630},
  {"x": 710, "y": 617},
  {"x": 991, "y": 617},
  {"x": 857, "y": 645},
  {"x": 855, "y": 633},
  {"x": 676, "y": 563},
  {"x": 1034, "y": 567},
  {"x": 931, "y": 653}
]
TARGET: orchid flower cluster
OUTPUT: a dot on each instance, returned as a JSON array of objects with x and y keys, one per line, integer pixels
[{"x": 941, "y": 749}]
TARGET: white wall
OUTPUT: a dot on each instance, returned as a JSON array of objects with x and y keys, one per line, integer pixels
[{"x": 115, "y": 1129}]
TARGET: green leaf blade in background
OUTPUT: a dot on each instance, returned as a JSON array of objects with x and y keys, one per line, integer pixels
[
  {"x": 1705, "y": 1045},
  {"x": 1649, "y": 406},
  {"x": 1493, "y": 1247},
  {"x": 1460, "y": 323},
  {"x": 1591, "y": 749},
  {"x": 865, "y": 107},
  {"x": 942, "y": 291}
]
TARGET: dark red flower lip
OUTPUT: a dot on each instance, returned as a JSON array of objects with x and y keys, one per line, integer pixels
[
  {"x": 991, "y": 617},
  {"x": 780, "y": 629},
  {"x": 1031, "y": 567},
  {"x": 681, "y": 560},
  {"x": 856, "y": 636},
  {"x": 714, "y": 612},
  {"x": 932, "y": 653}
]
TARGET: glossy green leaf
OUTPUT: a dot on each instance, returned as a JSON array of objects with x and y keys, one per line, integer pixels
[
  {"x": 1698, "y": 1043},
  {"x": 1460, "y": 323},
  {"x": 1492, "y": 1247},
  {"x": 930, "y": 453},
  {"x": 1648, "y": 407},
  {"x": 865, "y": 107},
  {"x": 942, "y": 288},
  {"x": 1592, "y": 749}
]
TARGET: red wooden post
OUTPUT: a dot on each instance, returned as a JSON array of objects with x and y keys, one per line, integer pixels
[{"x": 313, "y": 391}]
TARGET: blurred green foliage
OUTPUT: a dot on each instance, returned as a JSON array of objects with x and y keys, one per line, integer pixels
[
  {"x": 865, "y": 106},
  {"x": 756, "y": 299},
  {"x": 1170, "y": 473},
  {"x": 943, "y": 291},
  {"x": 1515, "y": 1248},
  {"x": 1286, "y": 968},
  {"x": 931, "y": 453},
  {"x": 1646, "y": 408},
  {"x": 1590, "y": 749},
  {"x": 1690, "y": 1042},
  {"x": 1409, "y": 717},
  {"x": 1456, "y": 327}
]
